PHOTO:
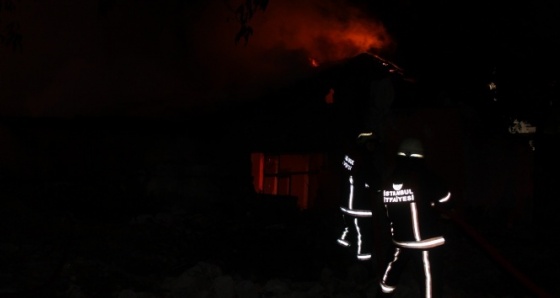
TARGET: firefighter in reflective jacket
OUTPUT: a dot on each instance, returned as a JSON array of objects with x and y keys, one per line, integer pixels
[
  {"x": 410, "y": 196},
  {"x": 356, "y": 209},
  {"x": 362, "y": 104}
]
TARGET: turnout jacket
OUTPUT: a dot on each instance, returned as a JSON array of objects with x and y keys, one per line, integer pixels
[
  {"x": 362, "y": 178},
  {"x": 410, "y": 196}
]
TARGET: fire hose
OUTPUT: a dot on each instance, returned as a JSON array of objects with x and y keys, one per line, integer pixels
[
  {"x": 495, "y": 254},
  {"x": 484, "y": 244}
]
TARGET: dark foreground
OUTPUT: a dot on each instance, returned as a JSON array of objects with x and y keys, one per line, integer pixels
[{"x": 226, "y": 253}]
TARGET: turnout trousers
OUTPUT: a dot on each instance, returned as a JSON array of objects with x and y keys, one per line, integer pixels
[{"x": 426, "y": 265}]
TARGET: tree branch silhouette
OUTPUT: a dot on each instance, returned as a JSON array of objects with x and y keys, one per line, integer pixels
[{"x": 243, "y": 14}]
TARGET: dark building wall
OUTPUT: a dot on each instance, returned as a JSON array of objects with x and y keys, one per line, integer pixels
[{"x": 115, "y": 167}]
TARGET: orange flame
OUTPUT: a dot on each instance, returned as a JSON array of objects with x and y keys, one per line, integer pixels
[
  {"x": 322, "y": 29},
  {"x": 285, "y": 36}
]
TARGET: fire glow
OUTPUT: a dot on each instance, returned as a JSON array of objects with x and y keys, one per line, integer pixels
[
  {"x": 324, "y": 30},
  {"x": 289, "y": 38},
  {"x": 313, "y": 62}
]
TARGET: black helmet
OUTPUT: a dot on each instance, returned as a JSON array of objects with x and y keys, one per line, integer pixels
[
  {"x": 411, "y": 147},
  {"x": 367, "y": 141}
]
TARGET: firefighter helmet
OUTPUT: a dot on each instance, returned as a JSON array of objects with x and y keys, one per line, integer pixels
[
  {"x": 411, "y": 147},
  {"x": 367, "y": 140}
]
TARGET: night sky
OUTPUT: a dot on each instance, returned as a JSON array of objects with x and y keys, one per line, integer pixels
[{"x": 145, "y": 58}]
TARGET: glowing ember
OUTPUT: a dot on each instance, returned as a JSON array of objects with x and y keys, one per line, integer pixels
[
  {"x": 329, "y": 98},
  {"x": 313, "y": 62}
]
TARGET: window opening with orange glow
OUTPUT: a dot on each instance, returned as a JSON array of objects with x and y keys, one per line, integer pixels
[{"x": 287, "y": 175}]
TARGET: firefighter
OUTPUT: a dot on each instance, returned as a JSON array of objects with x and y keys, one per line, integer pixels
[
  {"x": 363, "y": 116},
  {"x": 412, "y": 195},
  {"x": 358, "y": 197}
]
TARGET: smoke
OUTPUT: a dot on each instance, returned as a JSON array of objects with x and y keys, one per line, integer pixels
[
  {"x": 285, "y": 37},
  {"x": 156, "y": 57},
  {"x": 324, "y": 30}
]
